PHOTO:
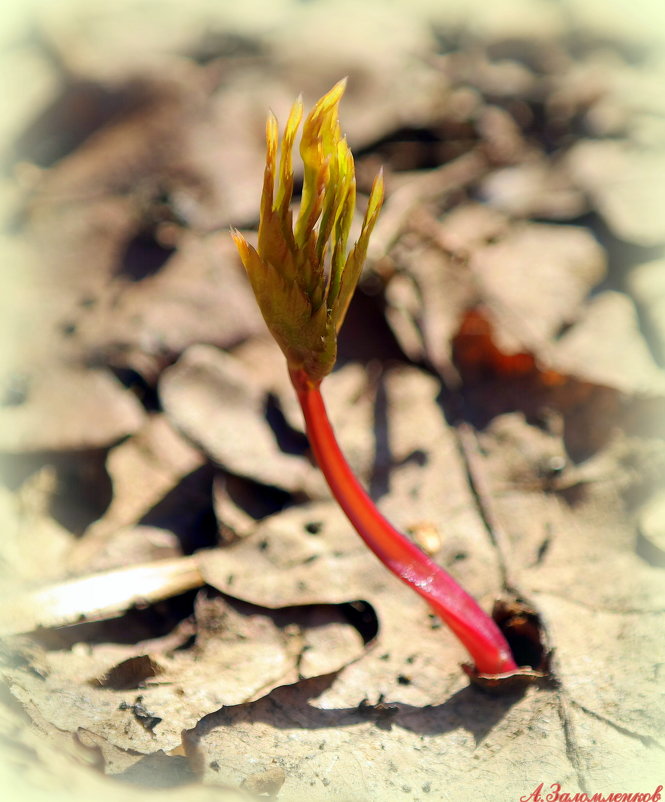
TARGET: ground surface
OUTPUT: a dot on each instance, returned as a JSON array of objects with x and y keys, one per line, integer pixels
[{"x": 500, "y": 390}]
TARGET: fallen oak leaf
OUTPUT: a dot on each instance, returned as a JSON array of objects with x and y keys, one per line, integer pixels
[{"x": 295, "y": 557}]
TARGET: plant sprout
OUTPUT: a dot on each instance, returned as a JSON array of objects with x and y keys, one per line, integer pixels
[{"x": 304, "y": 275}]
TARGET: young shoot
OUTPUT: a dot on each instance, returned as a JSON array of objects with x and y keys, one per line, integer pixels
[{"x": 304, "y": 275}]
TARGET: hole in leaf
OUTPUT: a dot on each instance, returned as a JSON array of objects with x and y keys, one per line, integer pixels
[
  {"x": 361, "y": 615},
  {"x": 144, "y": 256},
  {"x": 523, "y": 629}
]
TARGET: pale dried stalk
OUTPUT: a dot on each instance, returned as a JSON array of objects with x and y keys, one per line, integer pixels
[{"x": 99, "y": 596}]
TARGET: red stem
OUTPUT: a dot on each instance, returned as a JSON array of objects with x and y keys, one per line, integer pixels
[{"x": 474, "y": 628}]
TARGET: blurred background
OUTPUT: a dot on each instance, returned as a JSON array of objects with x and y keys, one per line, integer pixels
[{"x": 522, "y": 139}]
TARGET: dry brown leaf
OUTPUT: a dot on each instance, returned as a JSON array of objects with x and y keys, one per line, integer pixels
[
  {"x": 532, "y": 278},
  {"x": 425, "y": 299},
  {"x": 647, "y": 285},
  {"x": 332, "y": 740},
  {"x": 626, "y": 186},
  {"x": 240, "y": 653},
  {"x": 215, "y": 401},
  {"x": 69, "y": 408},
  {"x": 143, "y": 470},
  {"x": 569, "y": 531},
  {"x": 348, "y": 391},
  {"x": 135, "y": 134},
  {"x": 574, "y": 552},
  {"x": 40, "y": 761},
  {"x": 200, "y": 294},
  {"x": 33, "y": 546},
  {"x": 422, "y": 189},
  {"x": 384, "y": 750},
  {"x": 240, "y": 503},
  {"x": 606, "y": 347},
  {"x": 121, "y": 201},
  {"x": 583, "y": 602},
  {"x": 310, "y": 553}
]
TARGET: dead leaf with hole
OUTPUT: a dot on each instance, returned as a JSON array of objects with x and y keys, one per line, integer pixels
[
  {"x": 327, "y": 734},
  {"x": 240, "y": 652},
  {"x": 573, "y": 552},
  {"x": 310, "y": 553}
]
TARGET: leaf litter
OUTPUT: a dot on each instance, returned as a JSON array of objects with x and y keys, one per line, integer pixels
[{"x": 516, "y": 436}]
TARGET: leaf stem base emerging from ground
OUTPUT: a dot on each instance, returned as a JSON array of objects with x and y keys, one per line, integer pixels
[{"x": 474, "y": 628}]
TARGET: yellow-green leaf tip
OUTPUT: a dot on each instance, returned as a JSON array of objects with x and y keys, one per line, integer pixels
[{"x": 302, "y": 273}]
